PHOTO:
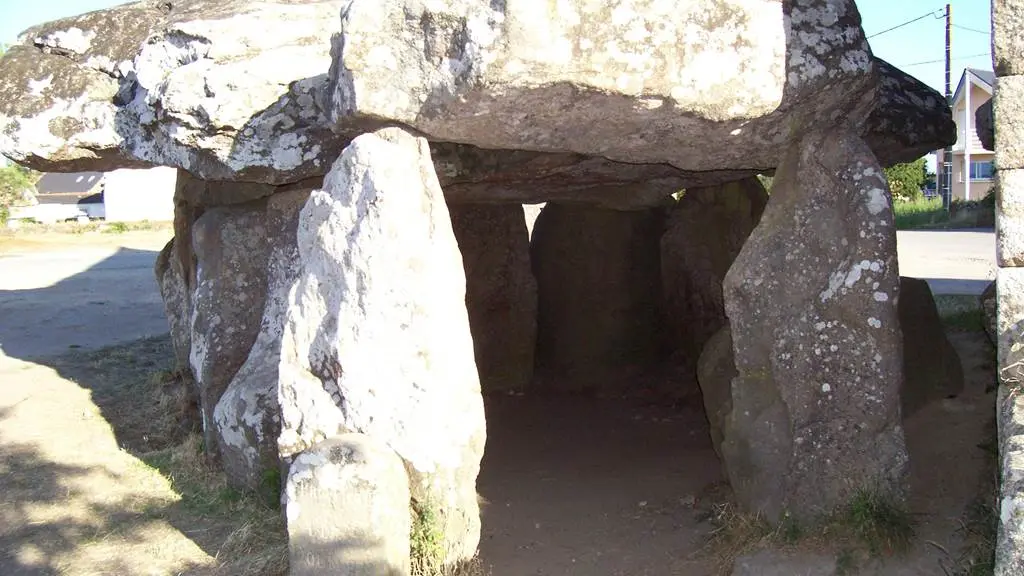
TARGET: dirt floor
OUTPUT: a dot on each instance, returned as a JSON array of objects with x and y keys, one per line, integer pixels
[
  {"x": 91, "y": 484},
  {"x": 610, "y": 487}
]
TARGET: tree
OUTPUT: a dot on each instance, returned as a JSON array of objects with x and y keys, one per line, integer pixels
[
  {"x": 906, "y": 180},
  {"x": 14, "y": 181}
]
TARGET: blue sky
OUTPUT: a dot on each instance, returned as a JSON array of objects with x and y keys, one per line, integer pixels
[{"x": 922, "y": 41}]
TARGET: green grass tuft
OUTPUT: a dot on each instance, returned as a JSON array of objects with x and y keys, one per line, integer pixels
[
  {"x": 883, "y": 525},
  {"x": 919, "y": 213}
]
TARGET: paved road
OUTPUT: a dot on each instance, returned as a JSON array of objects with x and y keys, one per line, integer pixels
[
  {"x": 953, "y": 261},
  {"x": 55, "y": 300}
]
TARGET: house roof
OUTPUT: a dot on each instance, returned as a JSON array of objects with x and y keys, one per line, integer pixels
[
  {"x": 68, "y": 183},
  {"x": 983, "y": 78}
]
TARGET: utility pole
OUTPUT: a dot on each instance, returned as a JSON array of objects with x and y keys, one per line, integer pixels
[{"x": 947, "y": 153}]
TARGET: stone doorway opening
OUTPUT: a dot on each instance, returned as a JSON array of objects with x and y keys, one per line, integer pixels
[{"x": 588, "y": 323}]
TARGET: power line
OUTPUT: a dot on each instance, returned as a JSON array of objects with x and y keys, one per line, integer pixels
[
  {"x": 943, "y": 60},
  {"x": 937, "y": 14},
  {"x": 985, "y": 32}
]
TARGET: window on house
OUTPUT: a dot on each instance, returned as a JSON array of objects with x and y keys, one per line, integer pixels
[{"x": 981, "y": 170}]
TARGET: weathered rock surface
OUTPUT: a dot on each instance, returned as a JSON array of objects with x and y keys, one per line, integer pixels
[
  {"x": 635, "y": 83},
  {"x": 931, "y": 365},
  {"x": 501, "y": 294},
  {"x": 170, "y": 278},
  {"x": 811, "y": 302},
  {"x": 231, "y": 249},
  {"x": 599, "y": 293},
  {"x": 228, "y": 90},
  {"x": 1008, "y": 37},
  {"x": 1010, "y": 537},
  {"x": 704, "y": 233},
  {"x": 988, "y": 310},
  {"x": 160, "y": 83},
  {"x": 908, "y": 117},
  {"x": 377, "y": 338},
  {"x": 247, "y": 415},
  {"x": 471, "y": 174},
  {"x": 347, "y": 505},
  {"x": 715, "y": 371},
  {"x": 985, "y": 123}
]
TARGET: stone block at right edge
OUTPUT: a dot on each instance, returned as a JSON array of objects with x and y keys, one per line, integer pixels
[
  {"x": 1010, "y": 217},
  {"x": 1008, "y": 36},
  {"x": 1008, "y": 107},
  {"x": 1010, "y": 325}
]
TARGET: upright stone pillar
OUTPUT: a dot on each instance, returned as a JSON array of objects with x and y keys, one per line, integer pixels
[
  {"x": 812, "y": 304},
  {"x": 376, "y": 337},
  {"x": 501, "y": 294},
  {"x": 1008, "y": 120}
]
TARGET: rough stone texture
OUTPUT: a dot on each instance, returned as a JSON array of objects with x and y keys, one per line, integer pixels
[
  {"x": 985, "y": 124},
  {"x": 1010, "y": 216},
  {"x": 231, "y": 248},
  {"x": 471, "y": 174},
  {"x": 599, "y": 292},
  {"x": 774, "y": 563},
  {"x": 347, "y": 505},
  {"x": 703, "y": 234},
  {"x": 931, "y": 365},
  {"x": 811, "y": 302},
  {"x": 501, "y": 294},
  {"x": 715, "y": 371},
  {"x": 484, "y": 73},
  {"x": 247, "y": 414},
  {"x": 377, "y": 337},
  {"x": 230, "y": 90},
  {"x": 988, "y": 310},
  {"x": 170, "y": 277},
  {"x": 160, "y": 83},
  {"x": 1008, "y": 37},
  {"x": 1010, "y": 538},
  {"x": 1010, "y": 325},
  {"x": 1007, "y": 108},
  {"x": 909, "y": 117}
]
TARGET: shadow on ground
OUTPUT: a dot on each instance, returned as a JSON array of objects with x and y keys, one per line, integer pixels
[{"x": 56, "y": 301}]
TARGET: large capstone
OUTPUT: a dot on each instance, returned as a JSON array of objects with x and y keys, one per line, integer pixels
[
  {"x": 637, "y": 82},
  {"x": 252, "y": 91},
  {"x": 162, "y": 83},
  {"x": 501, "y": 294},
  {"x": 377, "y": 337},
  {"x": 812, "y": 305}
]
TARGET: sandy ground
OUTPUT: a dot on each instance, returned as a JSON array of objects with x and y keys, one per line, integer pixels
[
  {"x": 573, "y": 486},
  {"x": 63, "y": 291}
]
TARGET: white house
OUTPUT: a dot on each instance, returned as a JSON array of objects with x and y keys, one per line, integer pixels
[
  {"x": 118, "y": 196},
  {"x": 973, "y": 167}
]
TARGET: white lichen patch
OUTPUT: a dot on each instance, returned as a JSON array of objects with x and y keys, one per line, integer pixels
[
  {"x": 73, "y": 40},
  {"x": 38, "y": 87},
  {"x": 874, "y": 322}
]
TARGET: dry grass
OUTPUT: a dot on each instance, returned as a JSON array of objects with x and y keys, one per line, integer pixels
[
  {"x": 868, "y": 527},
  {"x": 153, "y": 414},
  {"x": 254, "y": 541},
  {"x": 34, "y": 237}
]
